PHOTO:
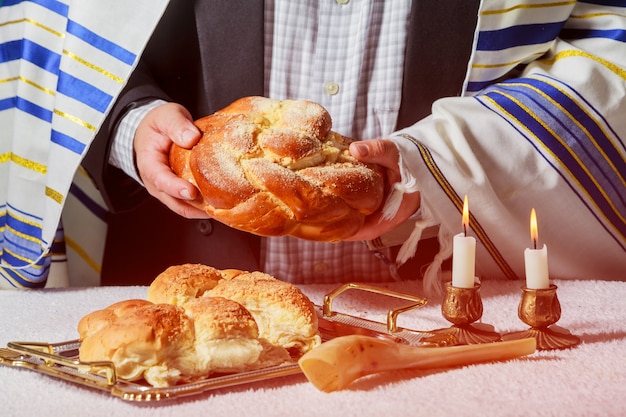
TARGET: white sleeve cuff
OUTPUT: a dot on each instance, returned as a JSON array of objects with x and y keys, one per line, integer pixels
[{"x": 122, "y": 151}]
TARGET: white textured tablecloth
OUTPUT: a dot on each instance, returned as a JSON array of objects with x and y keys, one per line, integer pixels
[{"x": 588, "y": 380}]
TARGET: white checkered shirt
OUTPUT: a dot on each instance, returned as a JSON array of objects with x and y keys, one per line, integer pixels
[{"x": 349, "y": 58}]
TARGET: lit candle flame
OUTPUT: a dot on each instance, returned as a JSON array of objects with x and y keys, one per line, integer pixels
[
  {"x": 534, "y": 234},
  {"x": 465, "y": 215}
]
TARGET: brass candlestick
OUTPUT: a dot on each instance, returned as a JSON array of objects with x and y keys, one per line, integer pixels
[
  {"x": 540, "y": 308},
  {"x": 462, "y": 307}
]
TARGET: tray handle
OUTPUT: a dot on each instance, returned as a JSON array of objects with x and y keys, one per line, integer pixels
[
  {"x": 46, "y": 352},
  {"x": 392, "y": 314}
]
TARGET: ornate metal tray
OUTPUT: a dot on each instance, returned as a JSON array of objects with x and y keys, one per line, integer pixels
[{"x": 60, "y": 360}]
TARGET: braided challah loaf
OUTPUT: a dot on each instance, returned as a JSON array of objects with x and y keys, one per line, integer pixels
[{"x": 276, "y": 168}]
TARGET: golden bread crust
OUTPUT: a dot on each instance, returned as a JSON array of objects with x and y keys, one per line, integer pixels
[
  {"x": 276, "y": 168},
  {"x": 181, "y": 283},
  {"x": 146, "y": 342},
  {"x": 217, "y": 318},
  {"x": 200, "y": 321},
  {"x": 285, "y": 316},
  {"x": 96, "y": 320}
]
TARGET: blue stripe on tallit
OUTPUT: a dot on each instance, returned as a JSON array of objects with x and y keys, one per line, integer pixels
[
  {"x": 81, "y": 32},
  {"x": 25, "y": 229},
  {"x": 21, "y": 221},
  {"x": 68, "y": 85},
  {"x": 83, "y": 92},
  {"x": 28, "y": 250},
  {"x": 88, "y": 202},
  {"x": 476, "y": 86},
  {"x": 532, "y": 34},
  {"x": 51, "y": 5},
  {"x": 67, "y": 142},
  {"x": 27, "y": 107},
  {"x": 101, "y": 43},
  {"x": 28, "y": 277},
  {"x": 612, "y": 3},
  {"x": 575, "y": 137},
  {"x": 574, "y": 34},
  {"x": 31, "y": 52},
  {"x": 590, "y": 160},
  {"x": 20, "y": 252}
]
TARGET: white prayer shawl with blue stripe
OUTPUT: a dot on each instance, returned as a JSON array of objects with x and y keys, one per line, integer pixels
[
  {"x": 62, "y": 64},
  {"x": 542, "y": 124}
]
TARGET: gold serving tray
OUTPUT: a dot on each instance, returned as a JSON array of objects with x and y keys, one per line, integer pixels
[{"x": 60, "y": 360}]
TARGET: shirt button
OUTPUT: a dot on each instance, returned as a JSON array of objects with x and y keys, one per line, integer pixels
[
  {"x": 331, "y": 88},
  {"x": 342, "y": 1},
  {"x": 205, "y": 227},
  {"x": 320, "y": 268}
]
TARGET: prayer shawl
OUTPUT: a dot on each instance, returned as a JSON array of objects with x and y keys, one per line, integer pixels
[
  {"x": 62, "y": 65},
  {"x": 549, "y": 79}
]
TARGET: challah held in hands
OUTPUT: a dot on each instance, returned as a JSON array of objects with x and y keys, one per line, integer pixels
[{"x": 276, "y": 168}]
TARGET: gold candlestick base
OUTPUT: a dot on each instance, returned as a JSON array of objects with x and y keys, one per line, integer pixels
[
  {"x": 540, "y": 309},
  {"x": 462, "y": 307}
]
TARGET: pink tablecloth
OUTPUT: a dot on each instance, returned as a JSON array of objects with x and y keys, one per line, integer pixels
[{"x": 589, "y": 380}]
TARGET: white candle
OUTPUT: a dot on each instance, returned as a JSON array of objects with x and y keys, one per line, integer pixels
[
  {"x": 536, "y": 260},
  {"x": 464, "y": 255}
]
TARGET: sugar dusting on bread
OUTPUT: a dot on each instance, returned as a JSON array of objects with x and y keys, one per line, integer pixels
[{"x": 295, "y": 137}]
